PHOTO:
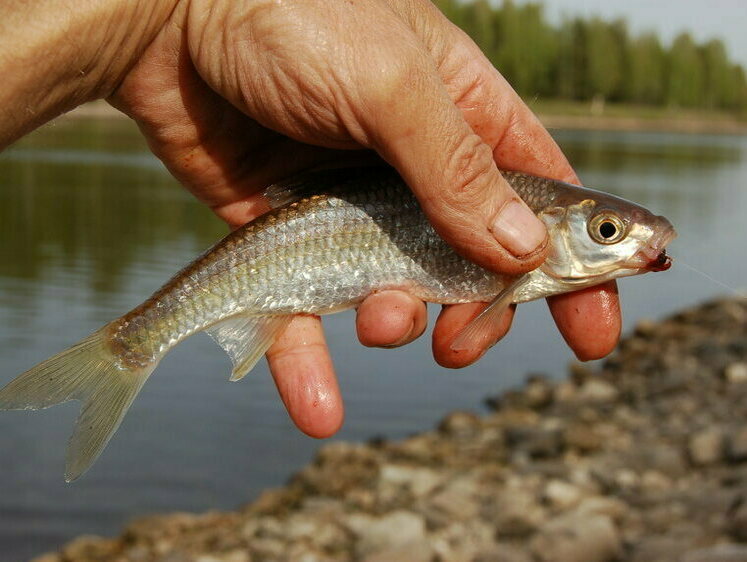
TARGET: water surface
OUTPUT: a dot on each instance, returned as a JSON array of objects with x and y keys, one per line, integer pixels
[{"x": 91, "y": 224}]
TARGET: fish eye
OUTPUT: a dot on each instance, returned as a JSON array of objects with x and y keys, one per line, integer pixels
[{"x": 606, "y": 228}]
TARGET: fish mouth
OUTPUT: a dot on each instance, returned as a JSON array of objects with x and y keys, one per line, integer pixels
[{"x": 653, "y": 256}]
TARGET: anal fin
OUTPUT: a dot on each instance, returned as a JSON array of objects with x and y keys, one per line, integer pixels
[
  {"x": 483, "y": 326},
  {"x": 246, "y": 338}
]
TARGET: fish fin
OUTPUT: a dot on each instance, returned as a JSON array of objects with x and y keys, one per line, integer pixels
[
  {"x": 482, "y": 326},
  {"x": 287, "y": 192},
  {"x": 321, "y": 179},
  {"x": 246, "y": 338},
  {"x": 88, "y": 372}
]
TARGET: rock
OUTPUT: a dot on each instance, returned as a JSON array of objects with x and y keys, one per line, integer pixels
[
  {"x": 737, "y": 520},
  {"x": 577, "y": 537},
  {"x": 457, "y": 501},
  {"x": 460, "y": 425},
  {"x": 582, "y": 437},
  {"x": 736, "y": 449},
  {"x": 565, "y": 391},
  {"x": 706, "y": 447},
  {"x": 614, "y": 508},
  {"x": 736, "y": 373},
  {"x": 598, "y": 391},
  {"x": 515, "y": 512},
  {"x": 419, "y": 551},
  {"x": 89, "y": 547},
  {"x": 232, "y": 556},
  {"x": 537, "y": 442},
  {"x": 580, "y": 372},
  {"x": 654, "y": 481},
  {"x": 503, "y": 552},
  {"x": 657, "y": 549},
  {"x": 316, "y": 530},
  {"x": 718, "y": 553},
  {"x": 645, "y": 327},
  {"x": 420, "y": 481},
  {"x": 302, "y": 552},
  {"x": 538, "y": 393},
  {"x": 663, "y": 458},
  {"x": 562, "y": 495},
  {"x": 463, "y": 540},
  {"x": 268, "y": 548},
  {"x": 392, "y": 531}
]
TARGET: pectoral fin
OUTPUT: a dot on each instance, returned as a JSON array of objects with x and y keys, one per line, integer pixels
[
  {"x": 246, "y": 338},
  {"x": 478, "y": 331}
]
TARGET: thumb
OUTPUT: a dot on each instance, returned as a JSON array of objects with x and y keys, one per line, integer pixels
[{"x": 420, "y": 131}]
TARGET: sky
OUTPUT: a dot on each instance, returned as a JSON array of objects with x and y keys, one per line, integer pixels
[{"x": 704, "y": 19}]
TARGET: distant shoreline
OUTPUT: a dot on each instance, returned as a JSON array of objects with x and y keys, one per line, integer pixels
[
  {"x": 693, "y": 126},
  {"x": 565, "y": 115}
]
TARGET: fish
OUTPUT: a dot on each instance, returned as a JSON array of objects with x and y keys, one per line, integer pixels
[{"x": 331, "y": 238}]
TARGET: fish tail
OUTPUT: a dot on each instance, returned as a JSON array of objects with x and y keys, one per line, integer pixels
[{"x": 90, "y": 372}]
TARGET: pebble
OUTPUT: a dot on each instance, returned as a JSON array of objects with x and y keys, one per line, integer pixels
[
  {"x": 392, "y": 531},
  {"x": 706, "y": 446},
  {"x": 577, "y": 537},
  {"x": 420, "y": 481},
  {"x": 538, "y": 393},
  {"x": 562, "y": 495},
  {"x": 737, "y": 445},
  {"x": 598, "y": 391},
  {"x": 719, "y": 553},
  {"x": 736, "y": 372},
  {"x": 582, "y": 437},
  {"x": 458, "y": 500}
]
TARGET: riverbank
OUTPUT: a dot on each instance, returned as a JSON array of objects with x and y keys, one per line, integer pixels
[
  {"x": 570, "y": 115},
  {"x": 556, "y": 114},
  {"x": 642, "y": 460}
]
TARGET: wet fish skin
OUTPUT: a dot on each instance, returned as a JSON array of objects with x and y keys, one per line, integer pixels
[{"x": 334, "y": 237}]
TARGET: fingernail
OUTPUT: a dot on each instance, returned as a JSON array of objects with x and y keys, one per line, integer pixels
[{"x": 518, "y": 229}]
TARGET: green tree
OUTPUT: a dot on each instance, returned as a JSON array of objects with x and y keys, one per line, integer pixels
[
  {"x": 645, "y": 81},
  {"x": 572, "y": 60},
  {"x": 718, "y": 75},
  {"x": 585, "y": 59},
  {"x": 527, "y": 48},
  {"x": 604, "y": 56},
  {"x": 478, "y": 20},
  {"x": 684, "y": 73}
]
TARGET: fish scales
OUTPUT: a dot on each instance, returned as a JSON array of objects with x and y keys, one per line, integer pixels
[
  {"x": 333, "y": 238},
  {"x": 322, "y": 253}
]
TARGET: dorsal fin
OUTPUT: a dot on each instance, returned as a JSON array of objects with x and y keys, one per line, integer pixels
[
  {"x": 246, "y": 338},
  {"x": 284, "y": 193},
  {"x": 322, "y": 180}
]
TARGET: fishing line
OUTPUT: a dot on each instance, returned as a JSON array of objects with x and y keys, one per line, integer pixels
[{"x": 733, "y": 290}]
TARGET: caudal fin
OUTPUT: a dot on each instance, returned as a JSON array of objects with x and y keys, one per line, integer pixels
[{"x": 88, "y": 372}]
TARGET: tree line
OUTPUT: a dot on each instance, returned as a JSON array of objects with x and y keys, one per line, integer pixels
[{"x": 593, "y": 59}]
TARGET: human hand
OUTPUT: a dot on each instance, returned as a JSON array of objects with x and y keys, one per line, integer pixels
[{"x": 233, "y": 96}]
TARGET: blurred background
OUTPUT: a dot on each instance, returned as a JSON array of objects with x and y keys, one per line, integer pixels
[{"x": 648, "y": 102}]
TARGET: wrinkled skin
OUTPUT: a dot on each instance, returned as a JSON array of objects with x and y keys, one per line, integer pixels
[{"x": 235, "y": 95}]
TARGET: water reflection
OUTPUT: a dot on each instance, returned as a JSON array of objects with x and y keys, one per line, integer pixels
[{"x": 100, "y": 208}]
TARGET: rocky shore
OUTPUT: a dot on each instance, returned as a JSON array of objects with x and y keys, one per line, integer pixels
[{"x": 643, "y": 460}]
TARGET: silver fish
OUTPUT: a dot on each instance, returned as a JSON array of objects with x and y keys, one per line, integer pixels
[{"x": 332, "y": 238}]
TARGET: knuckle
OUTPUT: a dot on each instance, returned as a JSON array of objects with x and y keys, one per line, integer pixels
[{"x": 470, "y": 171}]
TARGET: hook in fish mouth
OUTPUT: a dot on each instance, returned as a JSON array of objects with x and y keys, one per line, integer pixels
[
  {"x": 662, "y": 262},
  {"x": 653, "y": 256}
]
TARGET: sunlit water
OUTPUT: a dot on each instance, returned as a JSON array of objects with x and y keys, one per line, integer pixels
[{"x": 91, "y": 224}]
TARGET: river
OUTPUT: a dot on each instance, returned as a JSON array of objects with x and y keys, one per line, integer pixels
[{"x": 92, "y": 223}]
